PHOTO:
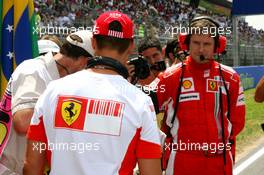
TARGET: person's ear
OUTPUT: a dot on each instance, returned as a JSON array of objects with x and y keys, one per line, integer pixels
[
  {"x": 94, "y": 43},
  {"x": 82, "y": 61},
  {"x": 131, "y": 47},
  {"x": 171, "y": 56}
]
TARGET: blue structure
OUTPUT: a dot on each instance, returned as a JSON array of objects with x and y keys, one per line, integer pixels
[
  {"x": 250, "y": 75},
  {"x": 246, "y": 7}
]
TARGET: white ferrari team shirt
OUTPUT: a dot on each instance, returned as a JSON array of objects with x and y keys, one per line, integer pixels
[
  {"x": 30, "y": 79},
  {"x": 95, "y": 124},
  {"x": 26, "y": 84}
]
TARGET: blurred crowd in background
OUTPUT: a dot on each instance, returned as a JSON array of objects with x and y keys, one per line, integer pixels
[{"x": 152, "y": 17}]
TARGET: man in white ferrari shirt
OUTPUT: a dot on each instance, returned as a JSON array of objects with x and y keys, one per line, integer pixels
[
  {"x": 98, "y": 108},
  {"x": 28, "y": 82}
]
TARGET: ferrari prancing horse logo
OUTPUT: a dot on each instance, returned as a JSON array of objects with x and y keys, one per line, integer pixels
[
  {"x": 70, "y": 110},
  {"x": 212, "y": 85}
]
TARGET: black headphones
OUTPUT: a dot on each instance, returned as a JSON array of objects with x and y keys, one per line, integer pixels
[
  {"x": 208, "y": 18},
  {"x": 111, "y": 64}
]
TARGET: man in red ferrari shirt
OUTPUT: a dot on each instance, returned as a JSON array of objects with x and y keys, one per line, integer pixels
[{"x": 204, "y": 105}]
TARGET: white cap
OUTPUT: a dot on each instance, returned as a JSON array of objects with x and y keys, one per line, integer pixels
[
  {"x": 83, "y": 39},
  {"x": 46, "y": 46}
]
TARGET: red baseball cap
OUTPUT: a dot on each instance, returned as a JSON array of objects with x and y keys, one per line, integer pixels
[{"x": 102, "y": 25}]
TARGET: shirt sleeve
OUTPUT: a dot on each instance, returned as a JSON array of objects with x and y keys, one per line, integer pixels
[
  {"x": 25, "y": 90},
  {"x": 165, "y": 86},
  {"x": 36, "y": 129},
  {"x": 148, "y": 146},
  {"x": 238, "y": 110},
  {"x": 37, "y": 132}
]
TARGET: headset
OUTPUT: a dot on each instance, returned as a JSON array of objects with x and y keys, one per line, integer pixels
[
  {"x": 184, "y": 40},
  {"x": 220, "y": 40},
  {"x": 108, "y": 63},
  {"x": 174, "y": 48}
]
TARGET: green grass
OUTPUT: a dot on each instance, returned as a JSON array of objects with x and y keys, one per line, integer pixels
[{"x": 254, "y": 117}]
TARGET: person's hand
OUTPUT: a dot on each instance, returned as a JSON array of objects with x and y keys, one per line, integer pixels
[
  {"x": 131, "y": 71},
  {"x": 147, "y": 80}
]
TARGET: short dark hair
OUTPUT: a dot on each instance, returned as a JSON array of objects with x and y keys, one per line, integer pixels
[
  {"x": 149, "y": 43},
  {"x": 119, "y": 44},
  {"x": 172, "y": 47},
  {"x": 73, "y": 51}
]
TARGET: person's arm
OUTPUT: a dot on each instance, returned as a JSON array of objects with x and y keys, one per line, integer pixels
[
  {"x": 149, "y": 166},
  {"x": 36, "y": 147},
  {"x": 21, "y": 120},
  {"x": 148, "y": 149},
  {"x": 37, "y": 140},
  {"x": 237, "y": 112},
  {"x": 25, "y": 89},
  {"x": 237, "y": 107},
  {"x": 35, "y": 159},
  {"x": 147, "y": 80},
  {"x": 259, "y": 94}
]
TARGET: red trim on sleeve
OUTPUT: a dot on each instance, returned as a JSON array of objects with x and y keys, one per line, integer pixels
[
  {"x": 37, "y": 132},
  {"x": 129, "y": 161},
  {"x": 148, "y": 150}
]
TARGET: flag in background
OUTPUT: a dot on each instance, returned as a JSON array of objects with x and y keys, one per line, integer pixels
[
  {"x": 18, "y": 41},
  {"x": 1, "y": 8}
]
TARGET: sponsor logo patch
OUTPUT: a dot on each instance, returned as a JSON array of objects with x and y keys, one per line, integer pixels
[
  {"x": 70, "y": 112},
  {"x": 3, "y": 132},
  {"x": 214, "y": 85},
  {"x": 240, "y": 88},
  {"x": 189, "y": 97},
  {"x": 187, "y": 85},
  {"x": 240, "y": 100},
  {"x": 97, "y": 116},
  {"x": 108, "y": 108},
  {"x": 104, "y": 117},
  {"x": 206, "y": 73}
]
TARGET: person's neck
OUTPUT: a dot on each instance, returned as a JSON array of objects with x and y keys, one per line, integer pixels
[
  {"x": 198, "y": 65},
  {"x": 112, "y": 54},
  {"x": 63, "y": 63}
]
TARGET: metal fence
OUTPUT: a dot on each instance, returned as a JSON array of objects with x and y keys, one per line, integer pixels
[{"x": 248, "y": 55}]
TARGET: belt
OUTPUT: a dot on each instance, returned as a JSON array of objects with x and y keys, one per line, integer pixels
[
  {"x": 205, "y": 153},
  {"x": 208, "y": 153}
]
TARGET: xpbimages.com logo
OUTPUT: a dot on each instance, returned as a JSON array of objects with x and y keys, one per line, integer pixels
[
  {"x": 213, "y": 31},
  {"x": 190, "y": 146},
  {"x": 66, "y": 146},
  {"x": 55, "y": 30}
]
